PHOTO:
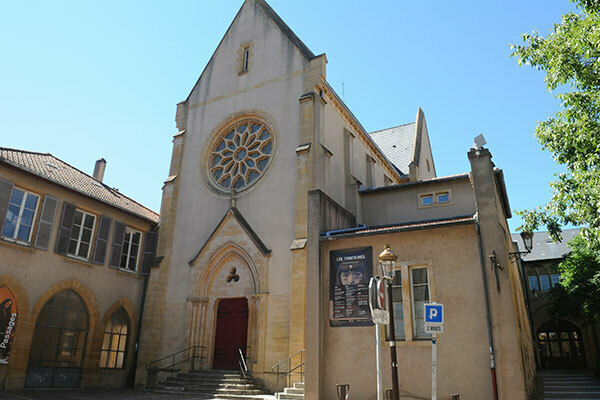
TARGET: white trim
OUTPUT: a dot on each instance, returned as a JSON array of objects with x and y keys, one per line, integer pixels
[
  {"x": 14, "y": 238},
  {"x": 81, "y": 228},
  {"x": 131, "y": 231}
]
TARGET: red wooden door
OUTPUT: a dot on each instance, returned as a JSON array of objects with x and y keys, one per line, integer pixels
[{"x": 231, "y": 334}]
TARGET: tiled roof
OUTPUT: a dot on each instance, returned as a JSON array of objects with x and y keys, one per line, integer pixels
[
  {"x": 397, "y": 144},
  {"x": 543, "y": 246},
  {"x": 408, "y": 226},
  {"x": 46, "y": 166}
]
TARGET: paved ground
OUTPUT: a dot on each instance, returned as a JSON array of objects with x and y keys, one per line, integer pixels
[
  {"x": 90, "y": 394},
  {"x": 570, "y": 385}
]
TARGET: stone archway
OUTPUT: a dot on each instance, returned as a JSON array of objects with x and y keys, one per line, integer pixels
[
  {"x": 560, "y": 344},
  {"x": 90, "y": 363},
  {"x": 229, "y": 274}
]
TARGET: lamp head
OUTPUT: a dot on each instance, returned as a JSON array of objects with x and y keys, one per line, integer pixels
[
  {"x": 387, "y": 260},
  {"x": 527, "y": 240}
]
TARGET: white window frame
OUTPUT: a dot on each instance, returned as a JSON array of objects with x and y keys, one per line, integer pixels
[
  {"x": 412, "y": 298},
  {"x": 129, "y": 230},
  {"x": 408, "y": 303},
  {"x": 434, "y": 195},
  {"x": 19, "y": 217},
  {"x": 76, "y": 255}
]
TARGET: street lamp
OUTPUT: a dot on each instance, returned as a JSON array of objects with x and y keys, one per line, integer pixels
[
  {"x": 527, "y": 242},
  {"x": 387, "y": 264}
]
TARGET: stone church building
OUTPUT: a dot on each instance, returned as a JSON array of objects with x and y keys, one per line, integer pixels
[{"x": 271, "y": 175}]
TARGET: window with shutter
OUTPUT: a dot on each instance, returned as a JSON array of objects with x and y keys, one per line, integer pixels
[
  {"x": 46, "y": 222},
  {"x": 5, "y": 193},
  {"x": 64, "y": 231},
  {"x": 150, "y": 242},
  {"x": 102, "y": 240},
  {"x": 80, "y": 240},
  {"x": 131, "y": 249},
  {"x": 117, "y": 245},
  {"x": 20, "y": 215}
]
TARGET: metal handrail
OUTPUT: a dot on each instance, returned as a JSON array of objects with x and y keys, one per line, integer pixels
[
  {"x": 242, "y": 363},
  {"x": 153, "y": 368},
  {"x": 288, "y": 372}
]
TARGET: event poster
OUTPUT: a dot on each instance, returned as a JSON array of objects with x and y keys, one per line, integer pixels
[
  {"x": 350, "y": 272},
  {"x": 8, "y": 322}
]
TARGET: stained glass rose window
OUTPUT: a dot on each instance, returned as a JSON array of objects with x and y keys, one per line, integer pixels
[{"x": 240, "y": 155}]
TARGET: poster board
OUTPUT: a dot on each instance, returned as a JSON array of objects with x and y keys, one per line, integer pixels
[
  {"x": 349, "y": 274},
  {"x": 8, "y": 322}
]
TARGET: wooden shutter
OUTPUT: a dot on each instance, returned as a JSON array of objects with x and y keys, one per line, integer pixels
[
  {"x": 5, "y": 193},
  {"x": 149, "y": 252},
  {"x": 117, "y": 245},
  {"x": 102, "y": 240},
  {"x": 44, "y": 229},
  {"x": 64, "y": 231}
]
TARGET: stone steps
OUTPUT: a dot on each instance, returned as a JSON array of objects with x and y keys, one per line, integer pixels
[
  {"x": 212, "y": 385},
  {"x": 574, "y": 384},
  {"x": 294, "y": 393}
]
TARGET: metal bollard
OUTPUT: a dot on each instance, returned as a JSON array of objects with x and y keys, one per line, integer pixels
[
  {"x": 343, "y": 391},
  {"x": 455, "y": 396},
  {"x": 389, "y": 394}
]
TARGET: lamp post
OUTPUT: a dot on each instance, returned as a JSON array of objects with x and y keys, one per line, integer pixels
[{"x": 387, "y": 263}]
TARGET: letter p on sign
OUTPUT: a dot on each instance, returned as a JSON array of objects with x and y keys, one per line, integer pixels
[{"x": 434, "y": 313}]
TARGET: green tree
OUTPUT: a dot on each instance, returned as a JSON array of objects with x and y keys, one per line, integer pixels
[
  {"x": 570, "y": 56},
  {"x": 578, "y": 294}
]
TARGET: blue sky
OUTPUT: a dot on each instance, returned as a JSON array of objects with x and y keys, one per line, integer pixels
[{"x": 89, "y": 79}]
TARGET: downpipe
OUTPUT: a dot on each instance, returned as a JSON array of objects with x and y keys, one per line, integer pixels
[{"x": 487, "y": 312}]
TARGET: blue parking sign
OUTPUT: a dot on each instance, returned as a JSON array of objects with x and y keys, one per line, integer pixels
[{"x": 434, "y": 313}]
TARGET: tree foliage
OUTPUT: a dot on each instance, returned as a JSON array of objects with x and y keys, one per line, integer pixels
[
  {"x": 570, "y": 56},
  {"x": 578, "y": 294}
]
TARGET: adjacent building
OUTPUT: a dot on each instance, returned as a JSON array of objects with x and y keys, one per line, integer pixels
[
  {"x": 74, "y": 256},
  {"x": 561, "y": 343}
]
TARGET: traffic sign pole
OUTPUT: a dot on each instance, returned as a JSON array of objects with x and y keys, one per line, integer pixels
[
  {"x": 378, "y": 360},
  {"x": 434, "y": 367},
  {"x": 434, "y": 324}
]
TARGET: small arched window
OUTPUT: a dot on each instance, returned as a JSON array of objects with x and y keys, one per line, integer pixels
[{"x": 114, "y": 343}]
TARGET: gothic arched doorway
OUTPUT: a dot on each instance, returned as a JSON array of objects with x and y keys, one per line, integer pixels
[
  {"x": 560, "y": 345},
  {"x": 231, "y": 334},
  {"x": 58, "y": 345}
]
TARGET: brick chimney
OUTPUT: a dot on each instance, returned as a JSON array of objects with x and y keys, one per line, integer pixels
[{"x": 99, "y": 169}]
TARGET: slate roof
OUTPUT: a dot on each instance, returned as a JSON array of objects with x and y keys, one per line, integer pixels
[
  {"x": 543, "y": 246},
  {"x": 55, "y": 170},
  {"x": 397, "y": 144}
]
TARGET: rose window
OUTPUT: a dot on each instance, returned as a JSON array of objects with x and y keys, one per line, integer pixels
[{"x": 240, "y": 155}]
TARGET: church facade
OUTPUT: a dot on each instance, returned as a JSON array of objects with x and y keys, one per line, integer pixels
[{"x": 271, "y": 175}]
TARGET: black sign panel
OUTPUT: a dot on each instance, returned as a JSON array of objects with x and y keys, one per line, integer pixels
[{"x": 349, "y": 274}]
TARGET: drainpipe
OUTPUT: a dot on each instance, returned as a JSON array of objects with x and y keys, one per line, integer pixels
[{"x": 487, "y": 311}]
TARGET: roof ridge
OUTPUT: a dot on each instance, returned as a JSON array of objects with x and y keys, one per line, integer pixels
[
  {"x": 25, "y": 151},
  {"x": 111, "y": 190},
  {"x": 392, "y": 127}
]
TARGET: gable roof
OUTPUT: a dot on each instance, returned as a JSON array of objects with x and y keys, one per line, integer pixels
[
  {"x": 285, "y": 29},
  {"x": 244, "y": 224},
  {"x": 397, "y": 143},
  {"x": 55, "y": 170},
  {"x": 543, "y": 246}
]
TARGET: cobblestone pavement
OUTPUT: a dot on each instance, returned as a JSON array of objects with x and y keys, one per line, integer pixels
[{"x": 91, "y": 394}]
